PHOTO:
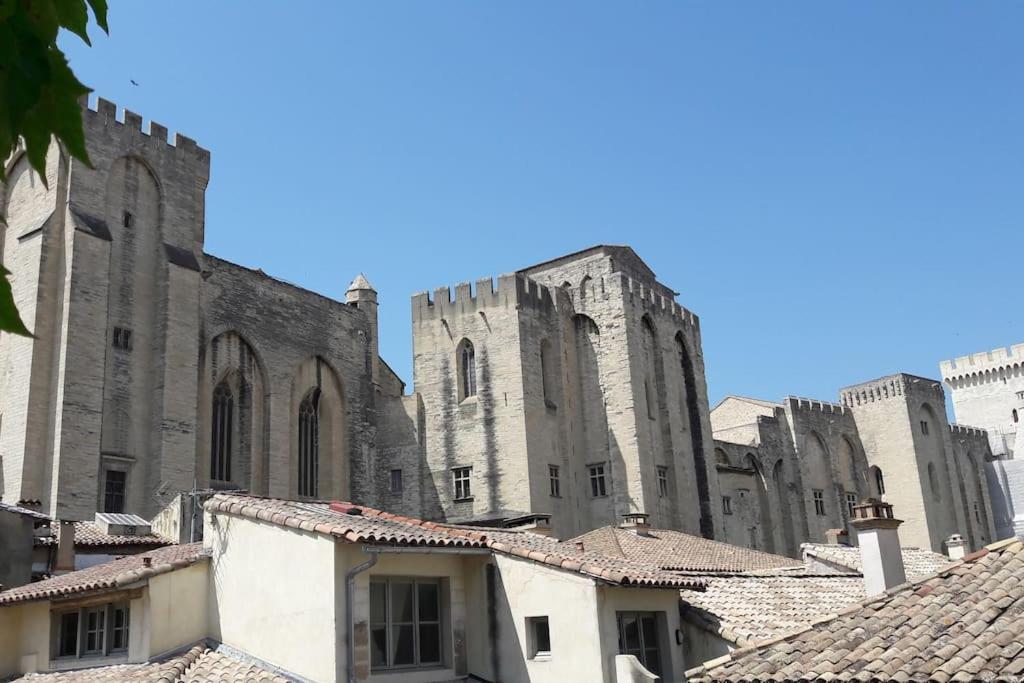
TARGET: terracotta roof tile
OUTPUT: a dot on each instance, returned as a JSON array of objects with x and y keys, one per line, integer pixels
[
  {"x": 675, "y": 550},
  {"x": 745, "y": 609},
  {"x": 200, "y": 664},
  {"x": 372, "y": 526},
  {"x": 950, "y": 633},
  {"x": 88, "y": 534},
  {"x": 108, "y": 575}
]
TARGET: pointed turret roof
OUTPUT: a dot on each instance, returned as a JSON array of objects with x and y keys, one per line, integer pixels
[{"x": 360, "y": 283}]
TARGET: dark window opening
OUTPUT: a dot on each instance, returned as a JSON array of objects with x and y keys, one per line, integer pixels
[
  {"x": 114, "y": 489},
  {"x": 309, "y": 444},
  {"x": 221, "y": 433}
]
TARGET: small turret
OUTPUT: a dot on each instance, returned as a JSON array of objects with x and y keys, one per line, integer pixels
[{"x": 363, "y": 296}]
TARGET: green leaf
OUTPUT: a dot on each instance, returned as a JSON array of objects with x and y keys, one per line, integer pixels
[
  {"x": 10, "y": 320},
  {"x": 99, "y": 10},
  {"x": 74, "y": 16}
]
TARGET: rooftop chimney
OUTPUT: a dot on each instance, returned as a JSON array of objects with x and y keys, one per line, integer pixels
[
  {"x": 65, "y": 560},
  {"x": 879, "y": 540},
  {"x": 637, "y": 522},
  {"x": 956, "y": 547},
  {"x": 837, "y": 537}
]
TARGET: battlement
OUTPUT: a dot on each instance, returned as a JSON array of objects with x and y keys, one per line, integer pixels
[
  {"x": 513, "y": 289},
  {"x": 104, "y": 118},
  {"x": 964, "y": 430},
  {"x": 885, "y": 388},
  {"x": 796, "y": 403},
  {"x": 656, "y": 303},
  {"x": 987, "y": 366}
]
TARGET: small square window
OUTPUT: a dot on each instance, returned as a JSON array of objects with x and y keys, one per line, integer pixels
[
  {"x": 555, "y": 482},
  {"x": 819, "y": 502},
  {"x": 726, "y": 505},
  {"x": 662, "y": 481},
  {"x": 396, "y": 481},
  {"x": 539, "y": 636},
  {"x": 122, "y": 338},
  {"x": 598, "y": 487},
  {"x": 461, "y": 480}
]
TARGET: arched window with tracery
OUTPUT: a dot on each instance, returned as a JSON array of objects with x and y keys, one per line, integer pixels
[
  {"x": 309, "y": 444},
  {"x": 466, "y": 363},
  {"x": 222, "y": 432}
]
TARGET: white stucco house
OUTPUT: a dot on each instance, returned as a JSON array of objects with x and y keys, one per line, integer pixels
[{"x": 318, "y": 591}]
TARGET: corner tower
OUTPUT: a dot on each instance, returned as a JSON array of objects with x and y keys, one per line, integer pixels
[
  {"x": 573, "y": 388},
  {"x": 106, "y": 271}
]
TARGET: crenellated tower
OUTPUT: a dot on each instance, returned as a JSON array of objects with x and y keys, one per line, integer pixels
[
  {"x": 573, "y": 388},
  {"x": 99, "y": 407}
]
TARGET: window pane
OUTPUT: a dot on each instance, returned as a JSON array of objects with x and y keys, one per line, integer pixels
[
  {"x": 650, "y": 633},
  {"x": 630, "y": 635},
  {"x": 401, "y": 601},
  {"x": 430, "y": 643},
  {"x": 428, "y": 602},
  {"x": 542, "y": 635},
  {"x": 68, "y": 635},
  {"x": 378, "y": 646},
  {"x": 378, "y": 602},
  {"x": 402, "y": 649}
]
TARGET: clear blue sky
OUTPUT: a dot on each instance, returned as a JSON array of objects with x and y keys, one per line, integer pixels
[{"x": 836, "y": 188}]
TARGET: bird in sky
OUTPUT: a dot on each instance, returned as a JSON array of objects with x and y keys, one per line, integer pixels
[{"x": 132, "y": 82}]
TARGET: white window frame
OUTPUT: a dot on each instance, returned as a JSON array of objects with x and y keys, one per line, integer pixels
[
  {"x": 416, "y": 622},
  {"x": 104, "y": 628},
  {"x": 554, "y": 481},
  {"x": 598, "y": 483},
  {"x": 461, "y": 483}
]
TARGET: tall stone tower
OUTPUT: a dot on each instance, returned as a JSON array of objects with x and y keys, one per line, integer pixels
[
  {"x": 98, "y": 410},
  {"x": 988, "y": 392},
  {"x": 573, "y": 388},
  {"x": 902, "y": 423}
]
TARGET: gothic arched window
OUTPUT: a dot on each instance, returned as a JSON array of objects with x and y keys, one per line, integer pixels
[
  {"x": 309, "y": 444},
  {"x": 221, "y": 433},
  {"x": 467, "y": 369}
]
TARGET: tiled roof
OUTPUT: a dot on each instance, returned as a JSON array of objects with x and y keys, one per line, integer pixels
[
  {"x": 963, "y": 623},
  {"x": 614, "y": 569},
  {"x": 372, "y": 526},
  {"x": 916, "y": 562},
  {"x": 198, "y": 665},
  {"x": 678, "y": 551},
  {"x": 18, "y": 510},
  {"x": 88, "y": 534},
  {"x": 745, "y": 609},
  {"x": 111, "y": 574},
  {"x": 367, "y": 526}
]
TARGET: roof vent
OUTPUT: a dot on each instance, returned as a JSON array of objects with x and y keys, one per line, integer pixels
[
  {"x": 637, "y": 522},
  {"x": 347, "y": 509},
  {"x": 118, "y": 524}
]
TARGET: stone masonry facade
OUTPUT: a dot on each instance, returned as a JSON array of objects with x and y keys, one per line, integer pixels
[{"x": 573, "y": 389}]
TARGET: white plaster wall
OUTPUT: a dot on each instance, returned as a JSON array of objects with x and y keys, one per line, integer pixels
[
  {"x": 176, "y": 608},
  {"x": 10, "y": 640},
  {"x": 415, "y": 565},
  {"x": 272, "y": 592},
  {"x": 528, "y": 589},
  {"x": 613, "y": 599}
]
